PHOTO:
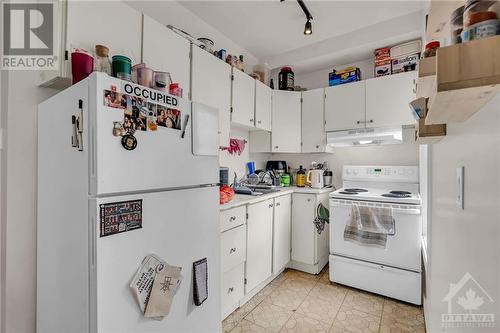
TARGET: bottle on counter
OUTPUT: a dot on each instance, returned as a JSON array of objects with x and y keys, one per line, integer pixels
[{"x": 301, "y": 177}]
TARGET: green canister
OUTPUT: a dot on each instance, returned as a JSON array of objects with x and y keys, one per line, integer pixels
[
  {"x": 285, "y": 180},
  {"x": 121, "y": 64}
]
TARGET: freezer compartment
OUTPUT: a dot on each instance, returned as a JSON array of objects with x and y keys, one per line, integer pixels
[
  {"x": 180, "y": 227},
  {"x": 164, "y": 158},
  {"x": 402, "y": 249},
  {"x": 391, "y": 282}
]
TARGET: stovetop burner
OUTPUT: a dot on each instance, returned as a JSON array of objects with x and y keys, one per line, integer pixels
[
  {"x": 355, "y": 190},
  {"x": 397, "y": 194},
  {"x": 348, "y": 192}
]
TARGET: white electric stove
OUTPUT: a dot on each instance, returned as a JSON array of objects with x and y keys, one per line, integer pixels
[{"x": 395, "y": 270}]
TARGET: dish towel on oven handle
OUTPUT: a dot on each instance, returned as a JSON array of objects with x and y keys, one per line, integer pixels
[
  {"x": 322, "y": 217},
  {"x": 369, "y": 226}
]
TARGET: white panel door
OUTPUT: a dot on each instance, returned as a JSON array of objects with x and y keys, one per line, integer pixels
[
  {"x": 175, "y": 233},
  {"x": 281, "y": 232},
  {"x": 211, "y": 85},
  {"x": 259, "y": 243},
  {"x": 313, "y": 121},
  {"x": 111, "y": 23},
  {"x": 286, "y": 120},
  {"x": 303, "y": 230},
  {"x": 388, "y": 98},
  {"x": 345, "y": 106},
  {"x": 243, "y": 99},
  {"x": 263, "y": 106},
  {"x": 162, "y": 159},
  {"x": 164, "y": 50}
]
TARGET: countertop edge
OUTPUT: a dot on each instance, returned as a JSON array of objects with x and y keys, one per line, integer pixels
[{"x": 241, "y": 199}]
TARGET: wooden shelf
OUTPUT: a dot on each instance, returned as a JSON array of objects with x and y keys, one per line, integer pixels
[
  {"x": 467, "y": 77},
  {"x": 426, "y": 134}
]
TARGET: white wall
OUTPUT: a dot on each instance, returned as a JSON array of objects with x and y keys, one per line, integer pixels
[
  {"x": 466, "y": 240},
  {"x": 400, "y": 154},
  {"x": 319, "y": 79},
  {"x": 20, "y": 218}
]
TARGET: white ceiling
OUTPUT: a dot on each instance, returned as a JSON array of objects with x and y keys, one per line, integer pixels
[{"x": 273, "y": 30}]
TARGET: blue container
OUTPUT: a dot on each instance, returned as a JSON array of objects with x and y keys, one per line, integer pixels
[{"x": 251, "y": 167}]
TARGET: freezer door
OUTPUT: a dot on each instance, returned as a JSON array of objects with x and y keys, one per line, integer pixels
[
  {"x": 163, "y": 158},
  {"x": 179, "y": 226}
]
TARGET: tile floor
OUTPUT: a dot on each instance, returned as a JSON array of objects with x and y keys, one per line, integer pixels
[{"x": 301, "y": 302}]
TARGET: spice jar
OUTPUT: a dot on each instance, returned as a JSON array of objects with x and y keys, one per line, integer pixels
[
  {"x": 472, "y": 7},
  {"x": 457, "y": 25},
  {"x": 102, "y": 63},
  {"x": 286, "y": 79}
]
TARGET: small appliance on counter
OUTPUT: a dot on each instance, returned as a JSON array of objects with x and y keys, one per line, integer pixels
[
  {"x": 314, "y": 178},
  {"x": 224, "y": 175},
  {"x": 278, "y": 167},
  {"x": 328, "y": 178}
]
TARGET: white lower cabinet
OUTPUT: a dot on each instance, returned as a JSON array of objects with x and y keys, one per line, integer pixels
[
  {"x": 310, "y": 249},
  {"x": 259, "y": 243},
  {"x": 232, "y": 289},
  {"x": 281, "y": 232}
]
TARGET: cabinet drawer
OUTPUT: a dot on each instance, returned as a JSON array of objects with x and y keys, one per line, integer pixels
[
  {"x": 233, "y": 247},
  {"x": 232, "y": 290},
  {"x": 232, "y": 218}
]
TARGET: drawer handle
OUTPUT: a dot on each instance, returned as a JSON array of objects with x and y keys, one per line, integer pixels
[
  {"x": 232, "y": 250},
  {"x": 278, "y": 204},
  {"x": 230, "y": 290},
  {"x": 251, "y": 120},
  {"x": 270, "y": 205},
  {"x": 232, "y": 218}
]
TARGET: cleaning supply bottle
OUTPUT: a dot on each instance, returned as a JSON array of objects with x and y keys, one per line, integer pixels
[{"x": 301, "y": 177}]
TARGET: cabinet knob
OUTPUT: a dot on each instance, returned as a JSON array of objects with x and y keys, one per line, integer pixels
[
  {"x": 317, "y": 147},
  {"x": 276, "y": 147},
  {"x": 232, "y": 250},
  {"x": 371, "y": 121},
  {"x": 358, "y": 122},
  {"x": 259, "y": 122},
  {"x": 232, "y": 218},
  {"x": 230, "y": 290},
  {"x": 251, "y": 120},
  {"x": 278, "y": 204},
  {"x": 308, "y": 199},
  {"x": 271, "y": 205}
]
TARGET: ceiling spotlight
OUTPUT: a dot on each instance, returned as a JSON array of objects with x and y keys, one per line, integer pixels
[{"x": 308, "y": 28}]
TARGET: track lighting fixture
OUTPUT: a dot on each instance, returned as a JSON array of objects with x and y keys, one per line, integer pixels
[{"x": 308, "y": 28}]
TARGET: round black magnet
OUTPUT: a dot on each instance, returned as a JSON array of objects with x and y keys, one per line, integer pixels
[{"x": 129, "y": 142}]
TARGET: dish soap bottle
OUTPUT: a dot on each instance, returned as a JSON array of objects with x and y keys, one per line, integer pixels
[{"x": 301, "y": 177}]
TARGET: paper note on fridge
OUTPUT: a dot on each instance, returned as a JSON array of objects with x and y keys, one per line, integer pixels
[
  {"x": 163, "y": 292},
  {"x": 144, "y": 277}
]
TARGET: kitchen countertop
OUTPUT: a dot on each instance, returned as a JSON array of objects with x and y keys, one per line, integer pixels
[{"x": 243, "y": 199}]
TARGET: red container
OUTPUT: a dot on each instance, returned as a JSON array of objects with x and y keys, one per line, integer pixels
[
  {"x": 175, "y": 90},
  {"x": 82, "y": 65}
]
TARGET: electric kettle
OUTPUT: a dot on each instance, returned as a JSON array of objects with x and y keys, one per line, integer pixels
[{"x": 314, "y": 178}]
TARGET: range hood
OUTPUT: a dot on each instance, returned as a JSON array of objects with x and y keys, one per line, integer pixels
[{"x": 365, "y": 136}]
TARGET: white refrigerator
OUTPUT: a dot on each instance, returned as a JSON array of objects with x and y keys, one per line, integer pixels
[{"x": 162, "y": 182}]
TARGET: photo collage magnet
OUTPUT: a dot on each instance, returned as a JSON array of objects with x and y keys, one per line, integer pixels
[{"x": 140, "y": 114}]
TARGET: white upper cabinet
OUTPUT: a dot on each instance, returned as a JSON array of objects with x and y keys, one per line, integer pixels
[
  {"x": 313, "y": 121},
  {"x": 164, "y": 50},
  {"x": 387, "y": 100},
  {"x": 345, "y": 106},
  {"x": 211, "y": 85},
  {"x": 263, "y": 106},
  {"x": 243, "y": 99},
  {"x": 286, "y": 119}
]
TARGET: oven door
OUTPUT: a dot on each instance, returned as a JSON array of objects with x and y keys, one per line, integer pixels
[{"x": 402, "y": 249}]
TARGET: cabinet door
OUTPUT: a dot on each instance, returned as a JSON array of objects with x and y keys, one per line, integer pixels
[
  {"x": 303, "y": 231},
  {"x": 313, "y": 121},
  {"x": 110, "y": 23},
  {"x": 243, "y": 99},
  {"x": 345, "y": 106},
  {"x": 388, "y": 98},
  {"x": 263, "y": 106},
  {"x": 260, "y": 142},
  {"x": 164, "y": 50},
  {"x": 211, "y": 85},
  {"x": 281, "y": 233},
  {"x": 259, "y": 243},
  {"x": 286, "y": 133},
  {"x": 323, "y": 239}
]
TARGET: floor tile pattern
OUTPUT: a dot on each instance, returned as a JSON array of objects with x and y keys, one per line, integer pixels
[{"x": 304, "y": 303}]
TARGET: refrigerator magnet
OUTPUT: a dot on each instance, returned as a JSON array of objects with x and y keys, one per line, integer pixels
[
  {"x": 129, "y": 142},
  {"x": 117, "y": 217}
]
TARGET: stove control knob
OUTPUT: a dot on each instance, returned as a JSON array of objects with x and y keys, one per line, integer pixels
[
  {"x": 348, "y": 171},
  {"x": 355, "y": 171},
  {"x": 410, "y": 172},
  {"x": 401, "y": 171}
]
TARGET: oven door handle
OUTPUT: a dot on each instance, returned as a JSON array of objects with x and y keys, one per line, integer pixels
[{"x": 409, "y": 211}]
